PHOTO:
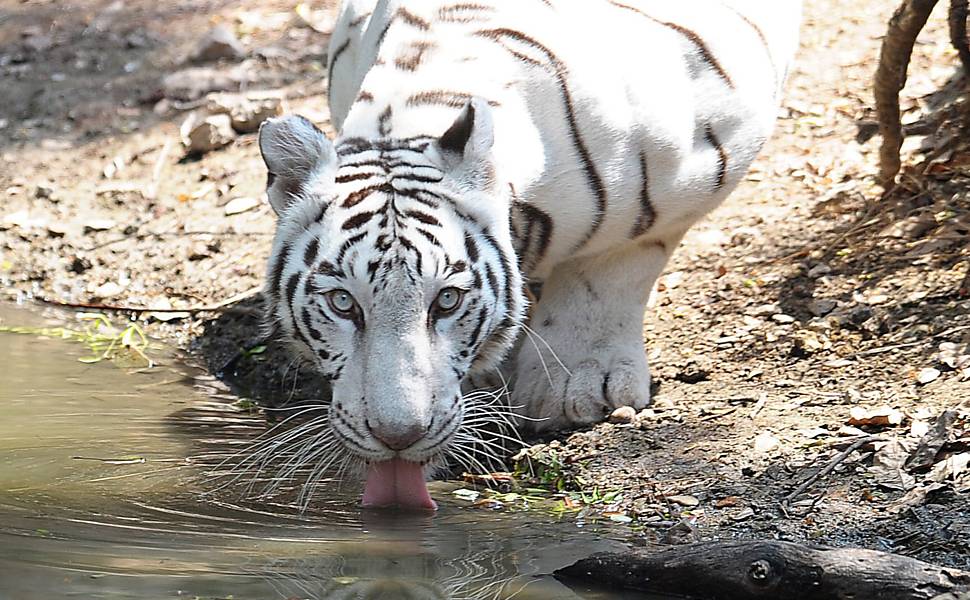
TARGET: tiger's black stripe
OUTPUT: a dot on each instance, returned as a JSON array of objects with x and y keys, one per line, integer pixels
[
  {"x": 464, "y": 13},
  {"x": 333, "y": 62},
  {"x": 442, "y": 98},
  {"x": 706, "y": 55},
  {"x": 648, "y": 215},
  {"x": 276, "y": 276},
  {"x": 384, "y": 122},
  {"x": 722, "y": 157},
  {"x": 348, "y": 244},
  {"x": 310, "y": 254},
  {"x": 559, "y": 70},
  {"x": 359, "y": 220}
]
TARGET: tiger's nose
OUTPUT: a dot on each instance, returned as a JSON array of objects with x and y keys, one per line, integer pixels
[{"x": 398, "y": 438}]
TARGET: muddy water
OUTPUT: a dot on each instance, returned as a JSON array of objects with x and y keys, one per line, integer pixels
[{"x": 106, "y": 491}]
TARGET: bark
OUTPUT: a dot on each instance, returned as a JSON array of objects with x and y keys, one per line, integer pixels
[
  {"x": 897, "y": 46},
  {"x": 958, "y": 32},
  {"x": 771, "y": 570}
]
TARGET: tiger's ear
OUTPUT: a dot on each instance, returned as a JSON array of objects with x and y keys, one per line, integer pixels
[
  {"x": 296, "y": 154},
  {"x": 466, "y": 145}
]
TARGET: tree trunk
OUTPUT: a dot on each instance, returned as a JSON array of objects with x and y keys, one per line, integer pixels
[
  {"x": 771, "y": 570},
  {"x": 897, "y": 46}
]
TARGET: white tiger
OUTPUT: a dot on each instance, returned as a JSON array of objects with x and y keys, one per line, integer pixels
[{"x": 487, "y": 145}]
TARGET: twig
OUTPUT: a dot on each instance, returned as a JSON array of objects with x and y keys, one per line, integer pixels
[
  {"x": 894, "y": 56},
  {"x": 839, "y": 459},
  {"x": 143, "y": 309}
]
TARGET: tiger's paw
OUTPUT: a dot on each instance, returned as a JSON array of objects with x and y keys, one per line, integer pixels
[{"x": 552, "y": 396}]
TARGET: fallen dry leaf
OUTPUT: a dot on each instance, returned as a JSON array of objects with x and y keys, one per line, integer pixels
[{"x": 881, "y": 416}]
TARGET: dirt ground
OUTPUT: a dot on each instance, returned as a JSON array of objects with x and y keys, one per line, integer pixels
[{"x": 808, "y": 300}]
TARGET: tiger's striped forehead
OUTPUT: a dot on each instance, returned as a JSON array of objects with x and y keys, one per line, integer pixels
[{"x": 387, "y": 214}]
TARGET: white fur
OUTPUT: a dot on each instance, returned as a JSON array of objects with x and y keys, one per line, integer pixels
[
  {"x": 636, "y": 85},
  {"x": 682, "y": 92}
]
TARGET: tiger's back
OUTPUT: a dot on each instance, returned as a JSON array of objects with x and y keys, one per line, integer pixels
[{"x": 612, "y": 119}]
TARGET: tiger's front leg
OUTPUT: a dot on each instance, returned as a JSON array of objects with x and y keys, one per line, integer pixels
[{"x": 584, "y": 356}]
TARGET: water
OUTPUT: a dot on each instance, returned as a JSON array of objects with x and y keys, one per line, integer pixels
[{"x": 102, "y": 478}]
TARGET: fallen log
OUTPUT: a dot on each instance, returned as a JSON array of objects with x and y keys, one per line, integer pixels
[{"x": 758, "y": 570}]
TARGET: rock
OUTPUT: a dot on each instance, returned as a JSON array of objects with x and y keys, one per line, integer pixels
[
  {"x": 819, "y": 270},
  {"x": 927, "y": 375},
  {"x": 209, "y": 134},
  {"x": 108, "y": 289},
  {"x": 192, "y": 84},
  {"x": 860, "y": 314},
  {"x": 38, "y": 43},
  {"x": 79, "y": 265},
  {"x": 246, "y": 113},
  {"x": 821, "y": 306},
  {"x": 241, "y": 205},
  {"x": 98, "y": 225},
  {"x": 696, "y": 370},
  {"x": 688, "y": 501},
  {"x": 44, "y": 192},
  {"x": 782, "y": 318},
  {"x": 623, "y": 415},
  {"x": 219, "y": 43},
  {"x": 765, "y": 442}
]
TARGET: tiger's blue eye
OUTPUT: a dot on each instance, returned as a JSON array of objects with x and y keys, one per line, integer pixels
[
  {"x": 448, "y": 300},
  {"x": 341, "y": 301}
]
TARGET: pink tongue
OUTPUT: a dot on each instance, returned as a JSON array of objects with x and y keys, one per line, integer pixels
[{"x": 397, "y": 482}]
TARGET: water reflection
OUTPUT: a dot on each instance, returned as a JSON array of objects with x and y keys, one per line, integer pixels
[{"x": 103, "y": 480}]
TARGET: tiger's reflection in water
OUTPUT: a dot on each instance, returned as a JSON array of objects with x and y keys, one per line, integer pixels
[{"x": 488, "y": 567}]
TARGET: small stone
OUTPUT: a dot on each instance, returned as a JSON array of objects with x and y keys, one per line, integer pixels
[
  {"x": 241, "y": 205},
  {"x": 206, "y": 135},
  {"x": 688, "y": 501},
  {"x": 782, "y": 318},
  {"x": 56, "y": 230},
  {"x": 819, "y": 270},
  {"x": 79, "y": 265},
  {"x": 247, "y": 114},
  {"x": 623, "y": 415},
  {"x": 220, "y": 42},
  {"x": 98, "y": 225},
  {"x": 108, "y": 290},
  {"x": 877, "y": 299},
  {"x": 927, "y": 375},
  {"x": 765, "y": 442},
  {"x": 821, "y": 306},
  {"x": 44, "y": 192}
]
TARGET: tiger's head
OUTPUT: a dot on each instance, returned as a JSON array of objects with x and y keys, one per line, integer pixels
[{"x": 393, "y": 273}]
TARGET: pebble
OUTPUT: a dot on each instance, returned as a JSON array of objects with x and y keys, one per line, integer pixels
[
  {"x": 246, "y": 113},
  {"x": 623, "y": 415},
  {"x": 927, "y": 375},
  {"x": 782, "y": 318},
  {"x": 821, "y": 306},
  {"x": 243, "y": 204},
  {"x": 206, "y": 135},
  {"x": 44, "y": 192},
  {"x": 219, "y": 43},
  {"x": 688, "y": 501},
  {"x": 819, "y": 270},
  {"x": 108, "y": 289},
  {"x": 98, "y": 225}
]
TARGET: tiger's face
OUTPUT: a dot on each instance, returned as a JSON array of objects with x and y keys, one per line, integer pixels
[{"x": 393, "y": 274}]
